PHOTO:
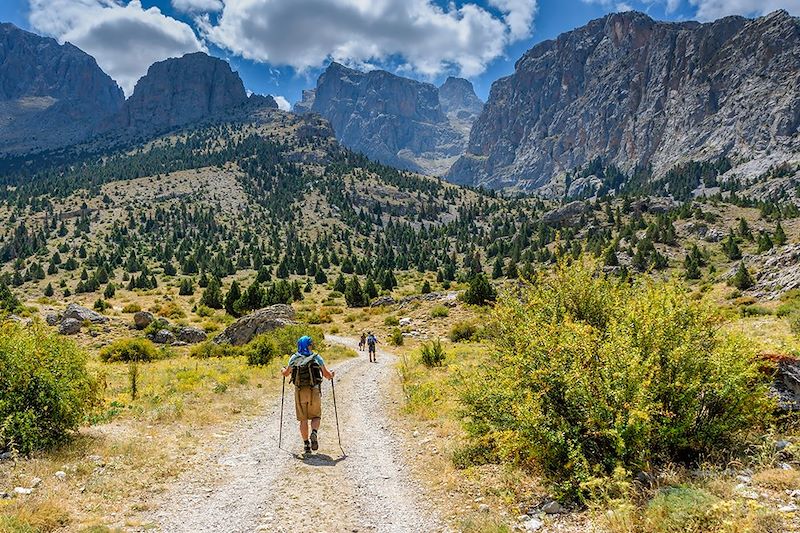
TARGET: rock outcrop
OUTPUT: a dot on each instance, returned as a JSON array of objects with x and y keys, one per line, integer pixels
[
  {"x": 181, "y": 90},
  {"x": 636, "y": 92},
  {"x": 83, "y": 314},
  {"x": 262, "y": 321},
  {"x": 394, "y": 120},
  {"x": 51, "y": 95}
]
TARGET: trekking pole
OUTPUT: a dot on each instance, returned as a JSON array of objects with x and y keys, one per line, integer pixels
[
  {"x": 336, "y": 415},
  {"x": 280, "y": 429}
]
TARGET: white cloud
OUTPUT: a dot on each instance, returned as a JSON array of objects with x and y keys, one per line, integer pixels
[
  {"x": 714, "y": 9},
  {"x": 197, "y": 6},
  {"x": 125, "y": 39},
  {"x": 282, "y": 102},
  {"x": 426, "y": 38}
]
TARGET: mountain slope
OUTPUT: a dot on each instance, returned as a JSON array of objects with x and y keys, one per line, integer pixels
[
  {"x": 394, "y": 120},
  {"x": 636, "y": 92},
  {"x": 51, "y": 95}
]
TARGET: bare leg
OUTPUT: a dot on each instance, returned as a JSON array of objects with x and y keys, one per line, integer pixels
[
  {"x": 314, "y": 423},
  {"x": 304, "y": 428}
]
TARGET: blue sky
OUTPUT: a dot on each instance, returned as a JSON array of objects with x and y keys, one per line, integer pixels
[{"x": 280, "y": 46}]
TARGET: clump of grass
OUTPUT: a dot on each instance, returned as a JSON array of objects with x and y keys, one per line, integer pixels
[
  {"x": 131, "y": 308},
  {"x": 432, "y": 353},
  {"x": 208, "y": 349},
  {"x": 391, "y": 321},
  {"x": 440, "y": 311},
  {"x": 463, "y": 331},
  {"x": 170, "y": 310}
]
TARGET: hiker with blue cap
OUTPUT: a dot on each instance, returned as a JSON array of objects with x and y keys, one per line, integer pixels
[{"x": 307, "y": 370}]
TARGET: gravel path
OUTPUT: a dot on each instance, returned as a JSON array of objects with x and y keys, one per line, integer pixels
[{"x": 251, "y": 485}]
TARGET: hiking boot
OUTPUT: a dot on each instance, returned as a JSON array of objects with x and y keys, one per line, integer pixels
[
  {"x": 314, "y": 441},
  {"x": 306, "y": 447}
]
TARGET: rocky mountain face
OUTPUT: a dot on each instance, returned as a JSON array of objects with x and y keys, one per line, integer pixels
[
  {"x": 637, "y": 92},
  {"x": 459, "y": 102},
  {"x": 181, "y": 90},
  {"x": 51, "y": 95},
  {"x": 395, "y": 120}
]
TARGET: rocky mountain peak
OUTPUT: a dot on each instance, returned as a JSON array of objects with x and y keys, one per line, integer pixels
[
  {"x": 395, "y": 120},
  {"x": 459, "y": 101},
  {"x": 51, "y": 94},
  {"x": 182, "y": 90},
  {"x": 638, "y": 93}
]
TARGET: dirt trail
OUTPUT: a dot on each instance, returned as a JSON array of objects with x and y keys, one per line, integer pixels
[{"x": 251, "y": 485}]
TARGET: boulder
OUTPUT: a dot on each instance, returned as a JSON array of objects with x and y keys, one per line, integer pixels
[
  {"x": 70, "y": 326},
  {"x": 162, "y": 336},
  {"x": 262, "y": 321},
  {"x": 786, "y": 383},
  {"x": 84, "y": 314},
  {"x": 142, "y": 319},
  {"x": 52, "y": 319},
  {"x": 191, "y": 335},
  {"x": 383, "y": 301}
]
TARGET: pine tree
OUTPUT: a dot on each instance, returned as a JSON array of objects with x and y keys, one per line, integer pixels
[
  {"x": 48, "y": 291},
  {"x": 370, "y": 289},
  {"x": 234, "y": 293},
  {"x": 730, "y": 248},
  {"x": 480, "y": 290},
  {"x": 354, "y": 295},
  {"x": 780, "y": 235},
  {"x": 212, "y": 295},
  {"x": 186, "y": 287},
  {"x": 742, "y": 280},
  {"x": 426, "y": 287},
  {"x": 764, "y": 242},
  {"x": 340, "y": 285},
  {"x": 110, "y": 291},
  {"x": 497, "y": 269}
]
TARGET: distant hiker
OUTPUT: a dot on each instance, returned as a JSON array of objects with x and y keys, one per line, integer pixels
[
  {"x": 307, "y": 370},
  {"x": 363, "y": 342},
  {"x": 372, "y": 340}
]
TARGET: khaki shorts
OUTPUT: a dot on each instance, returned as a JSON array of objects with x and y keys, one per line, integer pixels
[{"x": 307, "y": 403}]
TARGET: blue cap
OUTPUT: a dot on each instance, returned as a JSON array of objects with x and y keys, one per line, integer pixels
[{"x": 304, "y": 345}]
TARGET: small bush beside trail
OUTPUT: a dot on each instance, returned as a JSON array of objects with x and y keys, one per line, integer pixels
[
  {"x": 131, "y": 350},
  {"x": 45, "y": 389},
  {"x": 592, "y": 374},
  {"x": 396, "y": 337}
]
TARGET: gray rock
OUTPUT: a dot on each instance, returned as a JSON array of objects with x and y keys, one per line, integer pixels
[
  {"x": 552, "y": 507},
  {"x": 781, "y": 445},
  {"x": 6, "y": 456},
  {"x": 142, "y": 319},
  {"x": 532, "y": 524},
  {"x": 568, "y": 213},
  {"x": 60, "y": 475},
  {"x": 70, "y": 326},
  {"x": 191, "y": 335},
  {"x": 383, "y": 301},
  {"x": 82, "y": 314},
  {"x": 24, "y": 491},
  {"x": 162, "y": 336},
  {"x": 637, "y": 92},
  {"x": 51, "y": 319},
  {"x": 262, "y": 321}
]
